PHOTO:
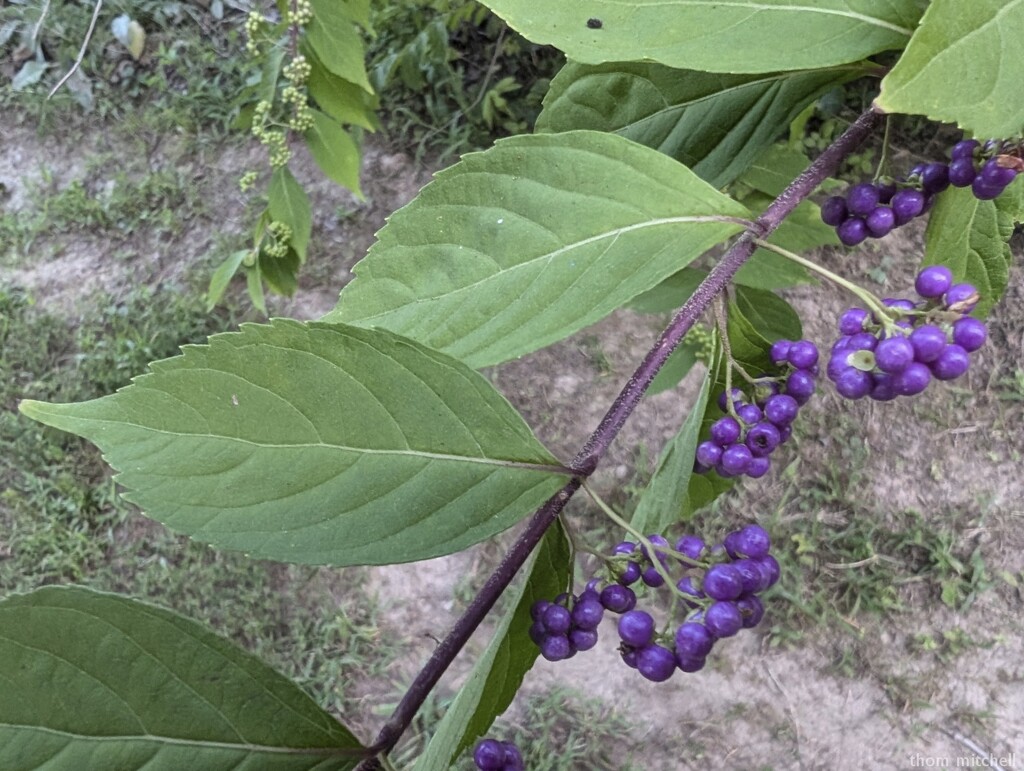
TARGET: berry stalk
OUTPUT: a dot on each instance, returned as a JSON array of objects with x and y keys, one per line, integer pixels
[
  {"x": 862, "y": 294},
  {"x": 586, "y": 461}
]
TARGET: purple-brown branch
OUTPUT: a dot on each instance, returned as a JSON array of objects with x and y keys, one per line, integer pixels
[{"x": 589, "y": 456}]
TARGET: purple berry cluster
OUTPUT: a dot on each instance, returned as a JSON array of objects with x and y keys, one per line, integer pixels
[
  {"x": 742, "y": 441},
  {"x": 873, "y": 209},
  {"x": 931, "y": 338},
  {"x": 568, "y": 624},
  {"x": 492, "y": 755},
  {"x": 719, "y": 586}
]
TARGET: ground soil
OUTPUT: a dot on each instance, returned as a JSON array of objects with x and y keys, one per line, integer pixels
[{"x": 950, "y": 453}]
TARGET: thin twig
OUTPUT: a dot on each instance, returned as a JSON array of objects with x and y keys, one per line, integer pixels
[
  {"x": 39, "y": 24},
  {"x": 81, "y": 53},
  {"x": 587, "y": 459}
]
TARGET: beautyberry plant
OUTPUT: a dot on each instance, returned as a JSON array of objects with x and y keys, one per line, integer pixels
[{"x": 368, "y": 437}]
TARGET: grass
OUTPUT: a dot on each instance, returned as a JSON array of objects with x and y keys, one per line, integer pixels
[{"x": 131, "y": 201}]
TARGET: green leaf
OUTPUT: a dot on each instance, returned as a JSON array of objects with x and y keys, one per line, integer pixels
[
  {"x": 320, "y": 444},
  {"x": 95, "y": 682},
  {"x": 31, "y": 72},
  {"x": 337, "y": 43},
  {"x": 964, "y": 65},
  {"x": 288, "y": 203},
  {"x": 769, "y": 270},
  {"x": 280, "y": 273},
  {"x": 715, "y": 124},
  {"x": 671, "y": 293},
  {"x": 971, "y": 238},
  {"x": 749, "y": 346},
  {"x": 663, "y": 503},
  {"x": 676, "y": 367},
  {"x": 713, "y": 36},
  {"x": 341, "y": 100},
  {"x": 499, "y": 672},
  {"x": 222, "y": 277},
  {"x": 520, "y": 246},
  {"x": 772, "y": 317},
  {"x": 335, "y": 152},
  {"x": 254, "y": 285}
]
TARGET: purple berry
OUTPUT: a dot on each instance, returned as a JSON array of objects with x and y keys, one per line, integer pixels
[
  {"x": 723, "y": 582},
  {"x": 899, "y": 303},
  {"x": 933, "y": 281},
  {"x": 803, "y": 354},
  {"x": 689, "y": 663},
  {"x": 537, "y": 632},
  {"x": 758, "y": 467},
  {"x": 709, "y": 453},
  {"x": 685, "y": 585},
  {"x": 935, "y": 178},
  {"x": 725, "y": 431},
  {"x": 995, "y": 174},
  {"x": 833, "y": 211},
  {"x": 749, "y": 413},
  {"x": 969, "y": 333},
  {"x": 852, "y": 321},
  {"x": 656, "y": 663},
  {"x": 882, "y": 388},
  {"x": 513, "y": 758},
  {"x": 735, "y": 459},
  {"x": 964, "y": 149},
  {"x": 984, "y": 190},
  {"x": 962, "y": 298},
  {"x": 913, "y": 380},
  {"x": 723, "y": 398},
  {"x": 799, "y": 385},
  {"x": 862, "y": 199},
  {"x": 538, "y": 608},
  {"x": 853, "y": 384},
  {"x": 630, "y": 574},
  {"x": 556, "y": 647},
  {"x": 618, "y": 598},
  {"x": 771, "y": 567},
  {"x": 723, "y": 619},
  {"x": 962, "y": 172},
  {"x": 587, "y": 614},
  {"x": 951, "y": 364},
  {"x": 894, "y": 354},
  {"x": 779, "y": 351},
  {"x": 693, "y": 640},
  {"x": 880, "y": 221},
  {"x": 652, "y": 577},
  {"x": 557, "y": 619},
  {"x": 691, "y": 546},
  {"x": 928, "y": 342},
  {"x": 583, "y": 639},
  {"x": 853, "y": 231},
  {"x": 660, "y": 543},
  {"x": 751, "y": 574},
  {"x": 865, "y": 341},
  {"x": 752, "y": 542},
  {"x": 781, "y": 409},
  {"x": 626, "y": 547},
  {"x": 751, "y": 610},
  {"x": 489, "y": 755},
  {"x": 886, "y": 189},
  {"x": 762, "y": 439},
  {"x": 906, "y": 205},
  {"x": 636, "y": 628}
]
